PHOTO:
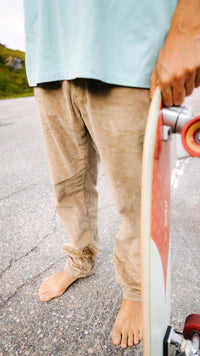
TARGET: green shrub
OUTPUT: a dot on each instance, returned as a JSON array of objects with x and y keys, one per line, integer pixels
[{"x": 13, "y": 83}]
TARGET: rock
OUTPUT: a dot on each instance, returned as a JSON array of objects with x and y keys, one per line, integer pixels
[{"x": 13, "y": 63}]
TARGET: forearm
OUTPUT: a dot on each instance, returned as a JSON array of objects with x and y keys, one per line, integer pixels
[
  {"x": 177, "y": 71},
  {"x": 186, "y": 17}
]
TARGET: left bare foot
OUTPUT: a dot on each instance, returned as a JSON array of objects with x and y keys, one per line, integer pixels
[
  {"x": 128, "y": 324},
  {"x": 55, "y": 285}
]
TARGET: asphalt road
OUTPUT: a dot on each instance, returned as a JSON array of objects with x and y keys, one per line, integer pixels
[{"x": 80, "y": 322}]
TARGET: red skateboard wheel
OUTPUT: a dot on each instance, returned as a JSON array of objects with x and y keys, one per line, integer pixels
[
  {"x": 190, "y": 135},
  {"x": 192, "y": 325}
]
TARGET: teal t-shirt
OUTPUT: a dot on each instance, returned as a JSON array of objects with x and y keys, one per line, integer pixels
[{"x": 115, "y": 41}]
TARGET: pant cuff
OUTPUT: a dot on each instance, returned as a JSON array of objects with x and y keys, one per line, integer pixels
[
  {"x": 77, "y": 273},
  {"x": 132, "y": 295}
]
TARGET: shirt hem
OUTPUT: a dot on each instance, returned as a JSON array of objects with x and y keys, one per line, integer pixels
[{"x": 115, "y": 81}]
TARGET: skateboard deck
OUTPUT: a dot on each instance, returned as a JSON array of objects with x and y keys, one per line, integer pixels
[
  {"x": 155, "y": 231},
  {"x": 155, "y": 227}
]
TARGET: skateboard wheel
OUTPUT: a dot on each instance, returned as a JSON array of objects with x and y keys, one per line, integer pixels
[
  {"x": 192, "y": 325},
  {"x": 190, "y": 135}
]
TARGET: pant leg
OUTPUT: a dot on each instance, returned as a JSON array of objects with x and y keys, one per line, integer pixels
[
  {"x": 116, "y": 119},
  {"x": 72, "y": 160}
]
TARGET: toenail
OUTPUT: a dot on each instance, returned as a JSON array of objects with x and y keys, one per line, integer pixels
[{"x": 116, "y": 340}]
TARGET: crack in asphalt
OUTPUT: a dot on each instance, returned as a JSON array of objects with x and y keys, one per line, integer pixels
[
  {"x": 17, "y": 191},
  {"x": 13, "y": 261},
  {"x": 28, "y": 281}
]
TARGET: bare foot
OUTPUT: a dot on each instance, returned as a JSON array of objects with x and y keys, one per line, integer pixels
[
  {"x": 128, "y": 324},
  {"x": 55, "y": 285}
]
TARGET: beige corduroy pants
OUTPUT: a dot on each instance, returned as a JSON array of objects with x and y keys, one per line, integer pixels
[{"x": 81, "y": 120}]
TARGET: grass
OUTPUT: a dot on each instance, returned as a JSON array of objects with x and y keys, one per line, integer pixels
[{"x": 13, "y": 83}]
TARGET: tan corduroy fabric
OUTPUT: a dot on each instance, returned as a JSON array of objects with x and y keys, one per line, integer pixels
[{"x": 82, "y": 120}]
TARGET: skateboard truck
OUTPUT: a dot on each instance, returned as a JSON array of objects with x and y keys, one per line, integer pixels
[
  {"x": 186, "y": 343},
  {"x": 175, "y": 118},
  {"x": 178, "y": 119},
  {"x": 183, "y": 347}
]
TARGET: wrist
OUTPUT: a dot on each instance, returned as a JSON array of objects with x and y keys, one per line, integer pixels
[{"x": 186, "y": 18}]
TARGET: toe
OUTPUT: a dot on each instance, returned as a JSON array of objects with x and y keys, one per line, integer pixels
[
  {"x": 45, "y": 297},
  {"x": 136, "y": 337},
  {"x": 43, "y": 290},
  {"x": 116, "y": 337},
  {"x": 130, "y": 339},
  {"x": 124, "y": 340}
]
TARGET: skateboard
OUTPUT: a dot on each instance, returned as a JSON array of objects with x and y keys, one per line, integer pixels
[{"x": 155, "y": 226}]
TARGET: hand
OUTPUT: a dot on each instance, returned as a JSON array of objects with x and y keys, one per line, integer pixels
[{"x": 177, "y": 70}]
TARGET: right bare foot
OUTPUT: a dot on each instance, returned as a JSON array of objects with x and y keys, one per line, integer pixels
[{"x": 55, "y": 285}]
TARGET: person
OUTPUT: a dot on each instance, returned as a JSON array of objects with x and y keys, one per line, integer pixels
[{"x": 92, "y": 64}]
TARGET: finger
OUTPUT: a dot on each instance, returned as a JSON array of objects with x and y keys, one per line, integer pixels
[
  {"x": 178, "y": 94},
  {"x": 167, "y": 96},
  {"x": 190, "y": 84},
  {"x": 197, "y": 79}
]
